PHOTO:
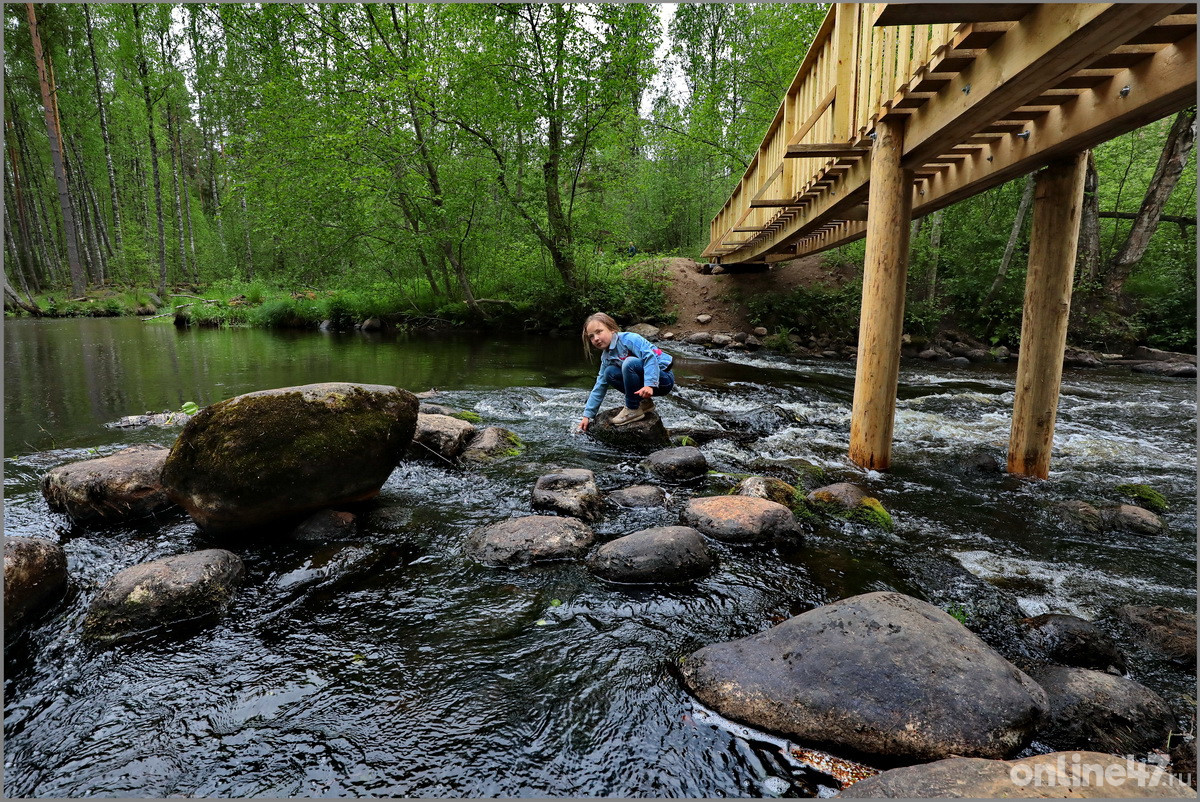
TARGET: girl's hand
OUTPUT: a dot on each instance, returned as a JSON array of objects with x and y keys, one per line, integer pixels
[
  {"x": 583, "y": 424},
  {"x": 645, "y": 392}
]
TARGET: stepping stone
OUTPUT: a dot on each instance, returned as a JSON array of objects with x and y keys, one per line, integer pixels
[
  {"x": 639, "y": 496},
  {"x": 677, "y": 464},
  {"x": 569, "y": 492},
  {"x": 532, "y": 539},
  {"x": 120, "y": 487},
  {"x": 35, "y": 573},
  {"x": 664, "y": 554},
  {"x": 443, "y": 435},
  {"x": 739, "y": 519}
]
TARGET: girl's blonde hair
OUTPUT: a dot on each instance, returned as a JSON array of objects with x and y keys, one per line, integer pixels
[{"x": 605, "y": 321}]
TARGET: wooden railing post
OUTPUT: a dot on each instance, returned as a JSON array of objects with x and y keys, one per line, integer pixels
[
  {"x": 885, "y": 271},
  {"x": 845, "y": 43},
  {"x": 1057, "y": 205}
]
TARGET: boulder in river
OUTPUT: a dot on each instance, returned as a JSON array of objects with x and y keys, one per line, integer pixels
[
  {"x": 883, "y": 674},
  {"x": 1129, "y": 518},
  {"x": 183, "y": 589},
  {"x": 1174, "y": 370},
  {"x": 120, "y": 487},
  {"x": 677, "y": 464},
  {"x": 441, "y": 436},
  {"x": 852, "y": 503},
  {"x": 638, "y": 496},
  {"x": 739, "y": 519},
  {"x": 640, "y": 436},
  {"x": 663, "y": 554},
  {"x": 1099, "y": 711},
  {"x": 534, "y": 538},
  {"x": 771, "y": 489},
  {"x": 569, "y": 492},
  {"x": 1058, "y": 775},
  {"x": 699, "y": 338},
  {"x": 35, "y": 573},
  {"x": 165, "y": 419},
  {"x": 1144, "y": 496},
  {"x": 490, "y": 444},
  {"x": 273, "y": 454},
  {"x": 1169, "y": 632},
  {"x": 1071, "y": 641},
  {"x": 1080, "y": 515},
  {"x": 325, "y": 525}
]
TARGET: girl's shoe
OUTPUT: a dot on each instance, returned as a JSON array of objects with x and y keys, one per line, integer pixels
[
  {"x": 647, "y": 405},
  {"x": 627, "y": 415}
]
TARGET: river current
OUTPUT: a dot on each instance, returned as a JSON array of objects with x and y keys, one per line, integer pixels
[{"x": 392, "y": 665}]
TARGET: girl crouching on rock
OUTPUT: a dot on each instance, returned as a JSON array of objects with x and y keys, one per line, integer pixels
[{"x": 628, "y": 363}]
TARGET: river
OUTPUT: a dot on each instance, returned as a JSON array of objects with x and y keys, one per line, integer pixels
[{"x": 394, "y": 666}]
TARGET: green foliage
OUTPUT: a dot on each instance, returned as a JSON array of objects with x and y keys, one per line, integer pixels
[
  {"x": 957, "y": 613},
  {"x": 468, "y": 416},
  {"x": 1144, "y": 496},
  {"x": 189, "y": 408},
  {"x": 819, "y": 309}
]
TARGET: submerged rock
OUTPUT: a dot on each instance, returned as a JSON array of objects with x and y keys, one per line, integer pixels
[
  {"x": 1071, "y": 641},
  {"x": 739, "y": 519},
  {"x": 326, "y": 525},
  {"x": 1080, "y": 515},
  {"x": 639, "y": 496},
  {"x": 1129, "y": 518},
  {"x": 151, "y": 419},
  {"x": 677, "y": 464},
  {"x": 534, "y": 538},
  {"x": 1095, "y": 710},
  {"x": 1086, "y": 775},
  {"x": 641, "y": 436},
  {"x": 570, "y": 492},
  {"x": 35, "y": 573},
  {"x": 1171, "y": 633},
  {"x": 120, "y": 487},
  {"x": 882, "y": 674},
  {"x": 186, "y": 588},
  {"x": 269, "y": 455},
  {"x": 441, "y": 435},
  {"x": 490, "y": 444},
  {"x": 662, "y": 554},
  {"x": 852, "y": 503},
  {"x": 771, "y": 489}
]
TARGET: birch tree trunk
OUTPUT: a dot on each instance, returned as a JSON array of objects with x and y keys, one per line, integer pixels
[
  {"x": 56, "y": 157},
  {"x": 158, "y": 205},
  {"x": 1088, "y": 264},
  {"x": 1011, "y": 246},
  {"x": 183, "y": 271}
]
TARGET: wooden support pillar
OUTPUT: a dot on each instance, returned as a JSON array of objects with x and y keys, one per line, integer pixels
[
  {"x": 1057, "y": 205},
  {"x": 885, "y": 271}
]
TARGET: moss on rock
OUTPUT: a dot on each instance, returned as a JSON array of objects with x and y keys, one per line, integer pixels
[{"x": 1144, "y": 496}]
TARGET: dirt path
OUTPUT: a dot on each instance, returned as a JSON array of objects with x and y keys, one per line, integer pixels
[{"x": 691, "y": 293}]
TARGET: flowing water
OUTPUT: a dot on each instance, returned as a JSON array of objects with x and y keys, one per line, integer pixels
[{"x": 392, "y": 665}]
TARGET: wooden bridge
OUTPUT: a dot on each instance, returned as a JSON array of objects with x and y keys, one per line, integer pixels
[{"x": 900, "y": 109}]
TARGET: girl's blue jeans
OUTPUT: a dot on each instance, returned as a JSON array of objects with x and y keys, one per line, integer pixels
[{"x": 631, "y": 376}]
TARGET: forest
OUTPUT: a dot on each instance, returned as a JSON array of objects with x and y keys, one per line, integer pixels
[{"x": 486, "y": 164}]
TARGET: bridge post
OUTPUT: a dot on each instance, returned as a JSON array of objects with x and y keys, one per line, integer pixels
[
  {"x": 1057, "y": 206},
  {"x": 885, "y": 271}
]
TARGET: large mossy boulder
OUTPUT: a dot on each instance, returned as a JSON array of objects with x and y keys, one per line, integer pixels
[
  {"x": 523, "y": 541},
  {"x": 441, "y": 436},
  {"x": 119, "y": 487},
  {"x": 1096, "y": 710},
  {"x": 882, "y": 675},
  {"x": 571, "y": 491},
  {"x": 1058, "y": 775},
  {"x": 642, "y": 436},
  {"x": 663, "y": 554},
  {"x": 185, "y": 589},
  {"x": 275, "y": 454},
  {"x": 739, "y": 519},
  {"x": 35, "y": 573}
]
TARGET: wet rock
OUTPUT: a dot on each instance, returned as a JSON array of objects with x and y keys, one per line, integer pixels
[
  {"x": 1080, "y": 515},
  {"x": 699, "y": 338},
  {"x": 534, "y": 538},
  {"x": 35, "y": 573},
  {"x": 372, "y": 324},
  {"x": 721, "y": 340},
  {"x": 753, "y": 343},
  {"x": 978, "y": 355},
  {"x": 882, "y": 674},
  {"x": 120, "y": 487},
  {"x": 1144, "y": 496},
  {"x": 1080, "y": 358},
  {"x": 1071, "y": 641},
  {"x": 1099, "y": 711},
  {"x": 703, "y": 320},
  {"x": 1001, "y": 353},
  {"x": 1155, "y": 355},
  {"x": 492, "y": 443},
  {"x": 1129, "y": 518},
  {"x": 958, "y": 361},
  {"x": 677, "y": 464},
  {"x": 325, "y": 525},
  {"x": 186, "y": 588},
  {"x": 663, "y": 554},
  {"x": 435, "y": 409},
  {"x": 645, "y": 330},
  {"x": 978, "y": 462},
  {"x": 569, "y": 492},
  {"x": 1172, "y": 369},
  {"x": 164, "y": 419},
  {"x": 638, "y": 496},
  {"x": 850, "y": 502},
  {"x": 771, "y": 489},
  {"x": 441, "y": 435},
  {"x": 274, "y": 454},
  {"x": 739, "y": 519},
  {"x": 641, "y": 436},
  {"x": 1056, "y": 775},
  {"x": 1171, "y": 633},
  {"x": 741, "y": 337},
  {"x": 928, "y": 354},
  {"x": 760, "y": 332}
]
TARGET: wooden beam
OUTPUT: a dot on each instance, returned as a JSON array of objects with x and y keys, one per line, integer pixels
[
  {"x": 942, "y": 13},
  {"x": 1057, "y": 207},
  {"x": 1051, "y": 42},
  {"x": 770, "y": 203},
  {"x": 841, "y": 149},
  {"x": 885, "y": 271}
]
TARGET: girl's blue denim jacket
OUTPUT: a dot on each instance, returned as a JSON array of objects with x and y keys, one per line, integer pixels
[{"x": 626, "y": 344}]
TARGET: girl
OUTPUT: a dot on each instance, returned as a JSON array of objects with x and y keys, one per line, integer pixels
[{"x": 629, "y": 363}]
